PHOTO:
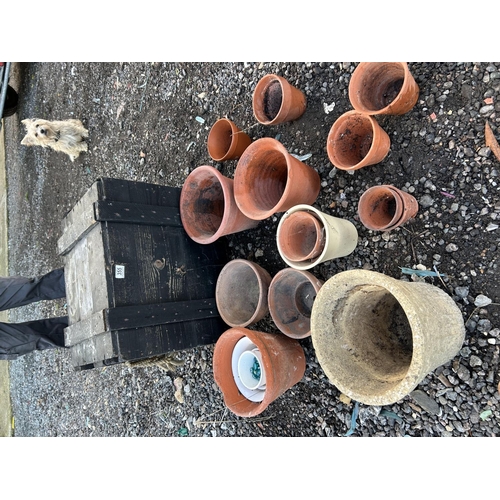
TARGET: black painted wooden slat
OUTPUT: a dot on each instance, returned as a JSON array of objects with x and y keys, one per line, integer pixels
[
  {"x": 137, "y": 316},
  {"x": 136, "y": 213}
]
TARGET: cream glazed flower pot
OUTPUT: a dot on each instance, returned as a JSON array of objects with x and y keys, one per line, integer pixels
[{"x": 338, "y": 238}]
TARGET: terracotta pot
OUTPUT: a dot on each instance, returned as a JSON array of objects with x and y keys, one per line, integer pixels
[
  {"x": 226, "y": 141},
  {"x": 283, "y": 362},
  {"x": 268, "y": 180},
  {"x": 241, "y": 292},
  {"x": 377, "y": 337},
  {"x": 356, "y": 140},
  {"x": 383, "y": 88},
  {"x": 276, "y": 101},
  {"x": 335, "y": 237},
  {"x": 291, "y": 297},
  {"x": 385, "y": 207},
  {"x": 302, "y": 236},
  {"x": 207, "y": 206}
]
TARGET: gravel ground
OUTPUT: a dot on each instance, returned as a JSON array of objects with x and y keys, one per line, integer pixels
[{"x": 143, "y": 126}]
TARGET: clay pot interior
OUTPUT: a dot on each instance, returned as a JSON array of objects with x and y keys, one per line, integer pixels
[
  {"x": 291, "y": 298},
  {"x": 383, "y": 208},
  {"x": 273, "y": 98},
  {"x": 203, "y": 204},
  {"x": 241, "y": 292},
  {"x": 379, "y": 86},
  {"x": 226, "y": 141},
  {"x": 351, "y": 140},
  {"x": 268, "y": 179},
  {"x": 302, "y": 237},
  {"x": 267, "y": 176}
]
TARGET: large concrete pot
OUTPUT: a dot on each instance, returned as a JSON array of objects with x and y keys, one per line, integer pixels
[
  {"x": 276, "y": 101},
  {"x": 383, "y": 88},
  {"x": 377, "y": 338},
  {"x": 283, "y": 362},
  {"x": 268, "y": 180},
  {"x": 207, "y": 206}
]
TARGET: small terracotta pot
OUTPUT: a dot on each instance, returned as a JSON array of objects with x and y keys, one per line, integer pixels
[
  {"x": 385, "y": 207},
  {"x": 356, "y": 140},
  {"x": 336, "y": 237},
  {"x": 241, "y": 292},
  {"x": 383, "y": 88},
  {"x": 283, "y": 361},
  {"x": 268, "y": 180},
  {"x": 207, "y": 206},
  {"x": 226, "y": 141},
  {"x": 291, "y": 297},
  {"x": 302, "y": 236},
  {"x": 276, "y": 101}
]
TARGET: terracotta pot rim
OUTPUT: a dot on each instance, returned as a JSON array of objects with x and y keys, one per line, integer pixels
[
  {"x": 220, "y": 125},
  {"x": 311, "y": 220},
  {"x": 383, "y": 188},
  {"x": 408, "y": 209},
  {"x": 261, "y": 308},
  {"x": 334, "y": 130},
  {"x": 290, "y": 100},
  {"x": 308, "y": 264},
  {"x": 209, "y": 170},
  {"x": 357, "y": 105},
  {"x": 308, "y": 278},
  {"x": 278, "y": 378},
  {"x": 260, "y": 89},
  {"x": 271, "y": 144}
]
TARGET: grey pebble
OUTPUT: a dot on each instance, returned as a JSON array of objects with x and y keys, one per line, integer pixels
[
  {"x": 462, "y": 291},
  {"x": 426, "y": 201},
  {"x": 495, "y": 332},
  {"x": 489, "y": 108},
  {"x": 451, "y": 247},
  {"x": 475, "y": 361},
  {"x": 427, "y": 403},
  {"x": 481, "y": 300},
  {"x": 463, "y": 373}
]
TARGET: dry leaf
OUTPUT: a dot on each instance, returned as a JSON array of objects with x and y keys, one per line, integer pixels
[{"x": 491, "y": 142}]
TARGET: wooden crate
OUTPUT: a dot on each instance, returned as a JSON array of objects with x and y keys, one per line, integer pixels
[{"x": 137, "y": 286}]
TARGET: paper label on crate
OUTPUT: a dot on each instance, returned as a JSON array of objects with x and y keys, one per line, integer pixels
[{"x": 119, "y": 271}]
